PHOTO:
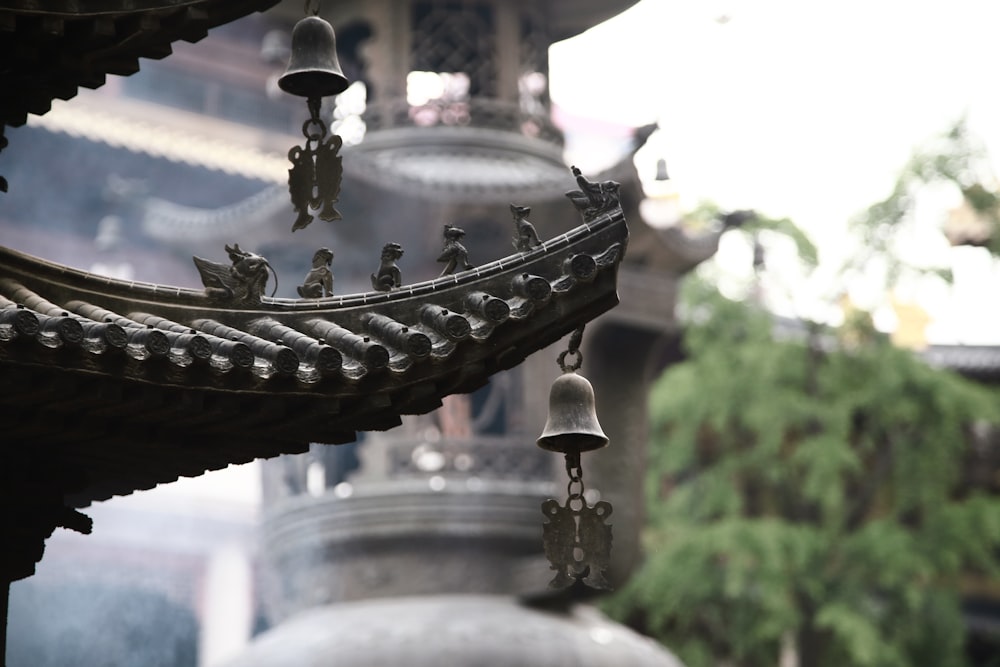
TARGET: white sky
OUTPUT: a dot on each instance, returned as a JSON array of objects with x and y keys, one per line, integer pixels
[{"x": 802, "y": 109}]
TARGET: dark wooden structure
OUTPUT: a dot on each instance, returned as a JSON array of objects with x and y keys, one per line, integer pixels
[
  {"x": 131, "y": 385},
  {"x": 110, "y": 386},
  {"x": 51, "y": 49}
]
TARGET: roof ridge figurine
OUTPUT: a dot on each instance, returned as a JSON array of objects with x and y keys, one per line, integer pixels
[
  {"x": 319, "y": 281},
  {"x": 244, "y": 281},
  {"x": 388, "y": 275},
  {"x": 454, "y": 253},
  {"x": 592, "y": 198},
  {"x": 525, "y": 236}
]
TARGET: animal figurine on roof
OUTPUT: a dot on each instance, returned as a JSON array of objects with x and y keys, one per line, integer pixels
[
  {"x": 388, "y": 275},
  {"x": 525, "y": 237},
  {"x": 243, "y": 282},
  {"x": 454, "y": 253},
  {"x": 319, "y": 281},
  {"x": 592, "y": 198}
]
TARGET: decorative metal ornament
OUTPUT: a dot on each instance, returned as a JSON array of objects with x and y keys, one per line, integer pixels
[
  {"x": 661, "y": 170},
  {"x": 572, "y": 425},
  {"x": 593, "y": 199},
  {"x": 314, "y": 72},
  {"x": 313, "y": 67},
  {"x": 388, "y": 275},
  {"x": 319, "y": 281},
  {"x": 454, "y": 253},
  {"x": 576, "y": 538},
  {"x": 242, "y": 282},
  {"x": 525, "y": 236}
]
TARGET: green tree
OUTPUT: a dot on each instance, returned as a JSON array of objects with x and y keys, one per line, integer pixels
[
  {"x": 807, "y": 492},
  {"x": 955, "y": 158}
]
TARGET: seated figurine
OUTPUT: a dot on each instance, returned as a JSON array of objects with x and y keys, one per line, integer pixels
[
  {"x": 388, "y": 275},
  {"x": 319, "y": 281}
]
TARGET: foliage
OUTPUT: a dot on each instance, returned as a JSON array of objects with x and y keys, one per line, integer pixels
[
  {"x": 955, "y": 157},
  {"x": 808, "y": 492},
  {"x": 753, "y": 223}
]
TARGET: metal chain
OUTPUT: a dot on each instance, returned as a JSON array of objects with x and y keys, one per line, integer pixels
[
  {"x": 314, "y": 129},
  {"x": 573, "y": 347},
  {"x": 314, "y": 5},
  {"x": 575, "y": 472}
]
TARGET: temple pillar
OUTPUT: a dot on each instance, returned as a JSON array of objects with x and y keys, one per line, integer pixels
[{"x": 32, "y": 506}]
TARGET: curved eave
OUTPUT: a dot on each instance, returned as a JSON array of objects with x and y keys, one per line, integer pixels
[
  {"x": 230, "y": 384},
  {"x": 571, "y": 17},
  {"x": 50, "y": 50}
]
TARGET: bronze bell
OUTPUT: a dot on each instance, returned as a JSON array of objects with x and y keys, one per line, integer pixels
[
  {"x": 572, "y": 425},
  {"x": 313, "y": 68},
  {"x": 661, "y": 170}
]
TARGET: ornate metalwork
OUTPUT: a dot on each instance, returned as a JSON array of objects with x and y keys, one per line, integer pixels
[
  {"x": 454, "y": 253},
  {"x": 388, "y": 276},
  {"x": 243, "y": 282},
  {"x": 485, "y": 457},
  {"x": 525, "y": 236},
  {"x": 449, "y": 37},
  {"x": 572, "y": 348},
  {"x": 479, "y": 112},
  {"x": 316, "y": 173},
  {"x": 314, "y": 72},
  {"x": 593, "y": 199},
  {"x": 576, "y": 539},
  {"x": 180, "y": 347},
  {"x": 533, "y": 47},
  {"x": 319, "y": 281}
]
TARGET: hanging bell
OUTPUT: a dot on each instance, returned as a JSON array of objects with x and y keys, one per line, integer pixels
[
  {"x": 661, "y": 170},
  {"x": 313, "y": 68},
  {"x": 572, "y": 426}
]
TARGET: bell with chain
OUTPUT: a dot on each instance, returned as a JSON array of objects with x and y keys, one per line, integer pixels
[
  {"x": 314, "y": 72},
  {"x": 313, "y": 67},
  {"x": 576, "y": 538},
  {"x": 661, "y": 170},
  {"x": 572, "y": 424}
]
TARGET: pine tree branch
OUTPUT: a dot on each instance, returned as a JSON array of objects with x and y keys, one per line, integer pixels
[{"x": 877, "y": 475}]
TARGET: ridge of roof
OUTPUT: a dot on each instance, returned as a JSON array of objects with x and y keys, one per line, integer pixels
[
  {"x": 138, "y": 383},
  {"x": 82, "y": 45}
]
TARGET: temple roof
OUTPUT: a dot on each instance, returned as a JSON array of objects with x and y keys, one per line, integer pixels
[
  {"x": 119, "y": 378},
  {"x": 49, "y": 50},
  {"x": 571, "y": 17},
  {"x": 979, "y": 362}
]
